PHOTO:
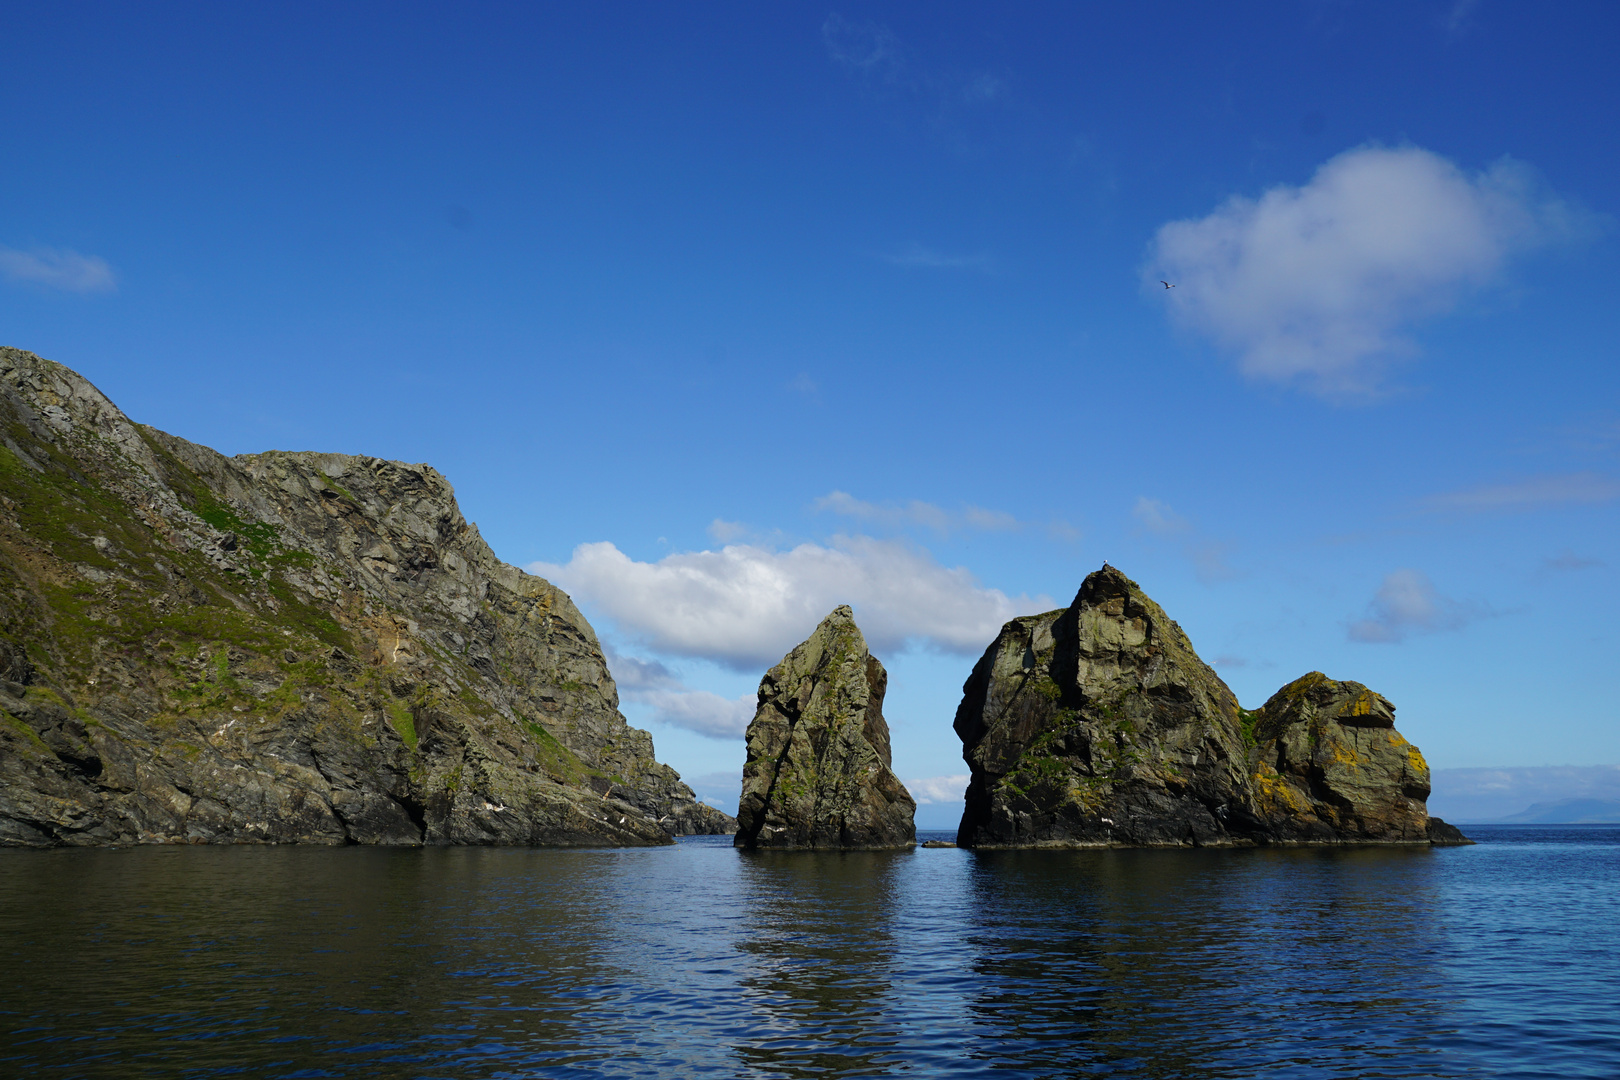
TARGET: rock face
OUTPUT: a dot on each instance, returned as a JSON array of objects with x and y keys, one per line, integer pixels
[
  {"x": 285, "y": 647},
  {"x": 1330, "y": 764},
  {"x": 818, "y": 771},
  {"x": 1099, "y": 725}
]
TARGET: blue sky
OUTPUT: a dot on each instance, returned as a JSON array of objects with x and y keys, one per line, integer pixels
[{"x": 722, "y": 315}]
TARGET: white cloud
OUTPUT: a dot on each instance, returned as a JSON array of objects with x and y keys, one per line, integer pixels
[
  {"x": 745, "y": 606},
  {"x": 635, "y": 673},
  {"x": 938, "y": 789},
  {"x": 1407, "y": 603},
  {"x": 1530, "y": 494},
  {"x": 916, "y": 512},
  {"x": 1317, "y": 284},
  {"x": 58, "y": 269},
  {"x": 700, "y": 711}
]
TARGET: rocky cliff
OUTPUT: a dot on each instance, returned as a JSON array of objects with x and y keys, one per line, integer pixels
[
  {"x": 285, "y": 647},
  {"x": 1099, "y": 725},
  {"x": 818, "y": 770}
]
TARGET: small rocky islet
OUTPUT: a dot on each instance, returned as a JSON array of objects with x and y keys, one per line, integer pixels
[
  {"x": 818, "y": 773},
  {"x": 319, "y": 648},
  {"x": 1099, "y": 725}
]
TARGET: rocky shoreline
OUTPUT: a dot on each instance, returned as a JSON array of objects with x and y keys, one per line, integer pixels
[{"x": 319, "y": 648}]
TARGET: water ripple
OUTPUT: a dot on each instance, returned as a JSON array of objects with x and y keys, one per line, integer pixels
[{"x": 1495, "y": 961}]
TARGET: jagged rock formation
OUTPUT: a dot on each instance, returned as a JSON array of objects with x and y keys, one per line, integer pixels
[
  {"x": 285, "y": 647},
  {"x": 818, "y": 771},
  {"x": 1099, "y": 725},
  {"x": 1330, "y": 764}
]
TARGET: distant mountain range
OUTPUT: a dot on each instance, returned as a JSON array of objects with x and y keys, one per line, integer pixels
[
  {"x": 1569, "y": 812},
  {"x": 1540, "y": 795}
]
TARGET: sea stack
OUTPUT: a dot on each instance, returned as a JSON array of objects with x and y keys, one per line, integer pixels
[
  {"x": 818, "y": 772},
  {"x": 1098, "y": 725},
  {"x": 1329, "y": 764}
]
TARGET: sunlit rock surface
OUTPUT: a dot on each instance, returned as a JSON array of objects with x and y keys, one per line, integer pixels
[
  {"x": 285, "y": 647},
  {"x": 818, "y": 770},
  {"x": 1099, "y": 725}
]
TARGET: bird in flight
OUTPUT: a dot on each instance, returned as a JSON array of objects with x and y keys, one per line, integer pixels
[{"x": 1166, "y": 284}]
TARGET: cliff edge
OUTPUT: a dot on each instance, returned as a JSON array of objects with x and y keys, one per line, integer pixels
[{"x": 286, "y": 647}]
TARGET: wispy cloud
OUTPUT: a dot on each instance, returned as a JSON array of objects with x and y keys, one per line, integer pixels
[
  {"x": 652, "y": 683},
  {"x": 806, "y": 387},
  {"x": 699, "y": 711},
  {"x": 55, "y": 268},
  {"x": 916, "y": 255},
  {"x": 916, "y": 512},
  {"x": 938, "y": 789},
  {"x": 1318, "y": 285},
  {"x": 874, "y": 54},
  {"x": 727, "y": 531},
  {"x": 864, "y": 46},
  {"x": 1208, "y": 556},
  {"x": 1406, "y": 604},
  {"x": 1209, "y": 560},
  {"x": 744, "y": 606},
  {"x": 1460, "y": 17},
  {"x": 1489, "y": 794},
  {"x": 1568, "y": 560},
  {"x": 722, "y": 789},
  {"x": 1157, "y": 518},
  {"x": 1532, "y": 493}
]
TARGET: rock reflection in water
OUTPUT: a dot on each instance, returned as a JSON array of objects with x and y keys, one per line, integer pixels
[
  {"x": 819, "y": 941},
  {"x": 1202, "y": 964},
  {"x": 699, "y": 961},
  {"x": 140, "y": 962}
]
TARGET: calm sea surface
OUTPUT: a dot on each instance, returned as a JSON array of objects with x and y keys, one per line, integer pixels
[{"x": 1501, "y": 960}]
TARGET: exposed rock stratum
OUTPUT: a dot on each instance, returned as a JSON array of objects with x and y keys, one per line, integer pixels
[
  {"x": 818, "y": 771},
  {"x": 1099, "y": 725},
  {"x": 286, "y": 647}
]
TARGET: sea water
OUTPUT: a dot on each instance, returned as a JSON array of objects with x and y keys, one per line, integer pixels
[{"x": 1499, "y": 960}]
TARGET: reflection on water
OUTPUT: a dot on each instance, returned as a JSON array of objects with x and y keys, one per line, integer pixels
[
  {"x": 1499, "y": 960},
  {"x": 1203, "y": 964}
]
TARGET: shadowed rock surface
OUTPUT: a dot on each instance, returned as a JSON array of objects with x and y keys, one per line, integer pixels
[
  {"x": 285, "y": 647},
  {"x": 818, "y": 771},
  {"x": 1099, "y": 725}
]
